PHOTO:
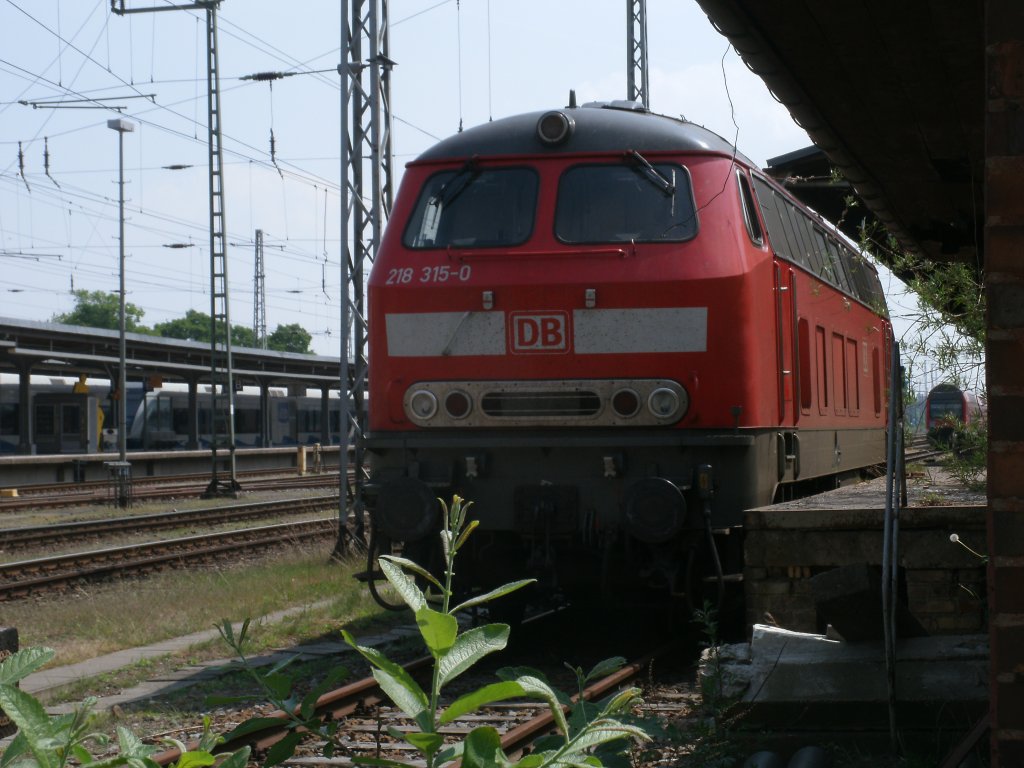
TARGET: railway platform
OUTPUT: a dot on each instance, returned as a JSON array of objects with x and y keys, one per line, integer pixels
[
  {"x": 18, "y": 470},
  {"x": 942, "y": 584}
]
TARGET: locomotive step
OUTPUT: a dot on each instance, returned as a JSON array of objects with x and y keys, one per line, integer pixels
[{"x": 728, "y": 578}]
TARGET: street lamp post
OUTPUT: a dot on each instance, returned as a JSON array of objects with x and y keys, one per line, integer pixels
[{"x": 122, "y": 469}]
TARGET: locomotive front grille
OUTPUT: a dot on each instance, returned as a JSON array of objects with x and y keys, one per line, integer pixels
[
  {"x": 540, "y": 404},
  {"x": 573, "y": 402}
]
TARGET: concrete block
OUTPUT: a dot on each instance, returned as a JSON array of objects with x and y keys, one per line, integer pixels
[{"x": 782, "y": 675}]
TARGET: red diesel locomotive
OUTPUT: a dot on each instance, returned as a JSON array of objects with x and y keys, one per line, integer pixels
[{"x": 613, "y": 334}]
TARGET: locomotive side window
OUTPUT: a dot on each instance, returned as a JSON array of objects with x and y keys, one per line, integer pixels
[
  {"x": 795, "y": 235},
  {"x": 785, "y": 226},
  {"x": 749, "y": 213},
  {"x": 830, "y": 256},
  {"x": 866, "y": 282},
  {"x": 804, "y": 230},
  {"x": 772, "y": 220},
  {"x": 625, "y": 203},
  {"x": 474, "y": 208}
]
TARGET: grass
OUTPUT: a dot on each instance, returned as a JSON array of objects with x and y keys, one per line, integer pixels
[{"x": 99, "y": 619}]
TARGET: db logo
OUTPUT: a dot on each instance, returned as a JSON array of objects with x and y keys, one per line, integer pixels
[{"x": 545, "y": 332}]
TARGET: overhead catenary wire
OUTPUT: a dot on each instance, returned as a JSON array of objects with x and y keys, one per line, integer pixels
[{"x": 53, "y": 171}]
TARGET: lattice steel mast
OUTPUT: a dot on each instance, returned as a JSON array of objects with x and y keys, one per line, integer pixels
[
  {"x": 366, "y": 195},
  {"x": 637, "y": 86},
  {"x": 259, "y": 295},
  {"x": 223, "y": 479}
]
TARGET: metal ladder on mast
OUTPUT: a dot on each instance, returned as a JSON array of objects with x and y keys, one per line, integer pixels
[{"x": 223, "y": 479}]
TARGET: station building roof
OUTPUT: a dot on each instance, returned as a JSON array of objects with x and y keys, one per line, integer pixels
[
  {"x": 68, "y": 350},
  {"x": 893, "y": 94}
]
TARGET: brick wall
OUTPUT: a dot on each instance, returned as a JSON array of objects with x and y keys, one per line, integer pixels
[
  {"x": 1004, "y": 289},
  {"x": 945, "y": 584}
]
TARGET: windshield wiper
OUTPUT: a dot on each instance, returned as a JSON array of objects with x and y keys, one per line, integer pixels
[
  {"x": 652, "y": 174},
  {"x": 457, "y": 184}
]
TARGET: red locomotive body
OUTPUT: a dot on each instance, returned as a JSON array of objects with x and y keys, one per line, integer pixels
[{"x": 613, "y": 334}]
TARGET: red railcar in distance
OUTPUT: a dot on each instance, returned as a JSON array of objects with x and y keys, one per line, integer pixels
[
  {"x": 613, "y": 334},
  {"x": 948, "y": 408}
]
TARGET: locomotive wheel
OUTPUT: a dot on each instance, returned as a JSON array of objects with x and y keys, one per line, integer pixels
[{"x": 380, "y": 588}]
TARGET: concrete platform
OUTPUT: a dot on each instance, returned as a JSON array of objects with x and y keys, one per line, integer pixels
[
  {"x": 941, "y": 583},
  {"x": 790, "y": 681}
]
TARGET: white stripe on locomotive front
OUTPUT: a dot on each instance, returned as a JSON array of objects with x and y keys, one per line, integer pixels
[
  {"x": 595, "y": 332},
  {"x": 621, "y": 331},
  {"x": 436, "y": 334}
]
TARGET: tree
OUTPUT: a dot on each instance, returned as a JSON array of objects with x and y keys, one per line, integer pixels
[
  {"x": 195, "y": 326},
  {"x": 100, "y": 309},
  {"x": 242, "y": 336},
  {"x": 290, "y": 338}
]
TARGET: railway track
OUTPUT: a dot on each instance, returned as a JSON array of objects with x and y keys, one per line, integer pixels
[
  {"x": 13, "y": 539},
  {"x": 33, "y": 577},
  {"x": 365, "y": 717},
  {"x": 97, "y": 492}
]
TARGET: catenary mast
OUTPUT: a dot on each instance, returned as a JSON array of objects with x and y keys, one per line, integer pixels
[
  {"x": 223, "y": 478},
  {"x": 637, "y": 86},
  {"x": 366, "y": 195}
]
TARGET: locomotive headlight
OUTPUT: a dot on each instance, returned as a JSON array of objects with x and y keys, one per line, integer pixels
[
  {"x": 666, "y": 403},
  {"x": 422, "y": 405},
  {"x": 555, "y": 127},
  {"x": 457, "y": 404},
  {"x": 626, "y": 403}
]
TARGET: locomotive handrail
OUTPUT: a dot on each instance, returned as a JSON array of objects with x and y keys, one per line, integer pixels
[{"x": 460, "y": 255}]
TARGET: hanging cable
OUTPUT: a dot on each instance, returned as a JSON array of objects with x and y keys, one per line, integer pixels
[
  {"x": 21, "y": 166},
  {"x": 458, "y": 33},
  {"x": 273, "y": 142},
  {"x": 46, "y": 161}
]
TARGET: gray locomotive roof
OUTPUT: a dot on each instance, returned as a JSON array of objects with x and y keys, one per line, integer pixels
[{"x": 599, "y": 128}]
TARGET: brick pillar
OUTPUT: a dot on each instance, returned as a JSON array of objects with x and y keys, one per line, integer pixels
[{"x": 1004, "y": 287}]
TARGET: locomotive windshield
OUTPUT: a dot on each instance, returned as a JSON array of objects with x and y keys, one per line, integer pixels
[
  {"x": 474, "y": 208},
  {"x": 640, "y": 202}
]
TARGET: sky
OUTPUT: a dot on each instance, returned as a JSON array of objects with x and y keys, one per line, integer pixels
[{"x": 458, "y": 62}]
